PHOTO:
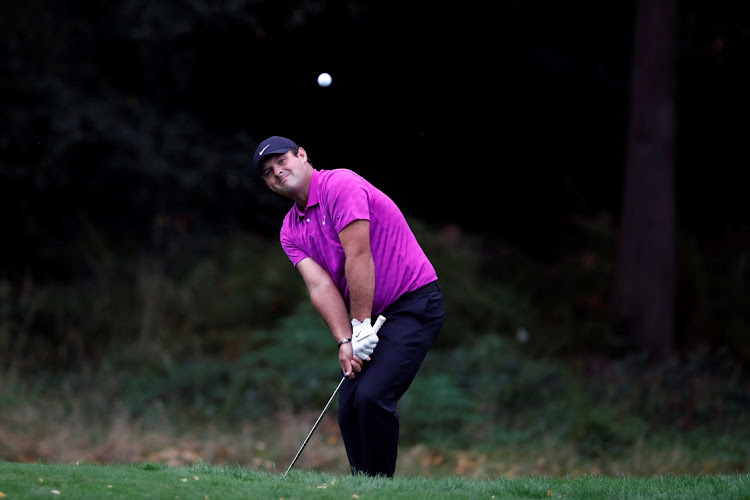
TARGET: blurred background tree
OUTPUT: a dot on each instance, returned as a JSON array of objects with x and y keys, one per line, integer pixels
[{"x": 645, "y": 278}]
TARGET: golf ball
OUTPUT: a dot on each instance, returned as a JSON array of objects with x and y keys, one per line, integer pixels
[{"x": 324, "y": 79}]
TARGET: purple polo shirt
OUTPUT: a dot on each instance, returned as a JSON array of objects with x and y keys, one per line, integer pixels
[{"x": 337, "y": 198}]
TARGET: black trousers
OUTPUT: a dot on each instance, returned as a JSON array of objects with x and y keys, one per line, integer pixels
[{"x": 367, "y": 404}]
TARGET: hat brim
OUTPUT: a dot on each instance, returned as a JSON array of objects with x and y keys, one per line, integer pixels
[{"x": 266, "y": 154}]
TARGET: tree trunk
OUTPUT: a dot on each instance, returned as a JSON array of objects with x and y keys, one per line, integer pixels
[{"x": 645, "y": 274}]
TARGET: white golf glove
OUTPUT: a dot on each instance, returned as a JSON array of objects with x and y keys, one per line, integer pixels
[{"x": 365, "y": 337}]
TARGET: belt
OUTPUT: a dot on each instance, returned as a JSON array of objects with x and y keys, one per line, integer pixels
[{"x": 433, "y": 286}]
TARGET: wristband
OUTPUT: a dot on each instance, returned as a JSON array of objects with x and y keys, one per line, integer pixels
[{"x": 343, "y": 341}]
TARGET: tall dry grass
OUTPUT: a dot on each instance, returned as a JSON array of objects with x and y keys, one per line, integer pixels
[{"x": 63, "y": 432}]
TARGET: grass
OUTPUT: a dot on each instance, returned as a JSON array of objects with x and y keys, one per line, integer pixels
[{"x": 205, "y": 482}]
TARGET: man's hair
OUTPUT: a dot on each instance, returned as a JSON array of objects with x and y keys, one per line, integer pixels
[{"x": 295, "y": 152}]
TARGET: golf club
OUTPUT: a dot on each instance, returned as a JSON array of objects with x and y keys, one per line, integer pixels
[
  {"x": 378, "y": 323},
  {"x": 315, "y": 426}
]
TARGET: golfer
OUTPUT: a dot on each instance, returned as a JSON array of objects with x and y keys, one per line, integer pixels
[{"x": 359, "y": 259}]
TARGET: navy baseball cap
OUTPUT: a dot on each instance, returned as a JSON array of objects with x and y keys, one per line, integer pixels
[{"x": 270, "y": 146}]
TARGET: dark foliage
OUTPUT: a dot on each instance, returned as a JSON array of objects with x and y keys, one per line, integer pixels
[{"x": 128, "y": 127}]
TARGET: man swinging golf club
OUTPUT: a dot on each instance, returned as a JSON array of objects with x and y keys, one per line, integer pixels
[{"x": 359, "y": 260}]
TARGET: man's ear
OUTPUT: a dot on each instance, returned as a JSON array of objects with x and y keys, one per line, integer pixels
[{"x": 302, "y": 154}]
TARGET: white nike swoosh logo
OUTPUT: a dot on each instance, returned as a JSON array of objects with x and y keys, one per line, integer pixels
[{"x": 261, "y": 151}]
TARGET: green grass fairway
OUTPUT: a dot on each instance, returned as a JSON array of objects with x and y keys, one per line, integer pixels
[{"x": 206, "y": 482}]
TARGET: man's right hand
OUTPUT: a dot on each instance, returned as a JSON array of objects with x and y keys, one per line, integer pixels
[{"x": 349, "y": 365}]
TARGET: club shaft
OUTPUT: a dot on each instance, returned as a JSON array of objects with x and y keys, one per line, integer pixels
[{"x": 315, "y": 426}]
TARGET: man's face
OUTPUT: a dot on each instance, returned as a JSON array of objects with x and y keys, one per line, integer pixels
[{"x": 286, "y": 173}]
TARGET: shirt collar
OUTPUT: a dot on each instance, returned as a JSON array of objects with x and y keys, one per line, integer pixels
[{"x": 312, "y": 195}]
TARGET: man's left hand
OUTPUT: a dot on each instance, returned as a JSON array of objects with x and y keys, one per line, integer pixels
[{"x": 364, "y": 338}]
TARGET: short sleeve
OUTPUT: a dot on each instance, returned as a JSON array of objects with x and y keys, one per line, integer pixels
[
  {"x": 292, "y": 251},
  {"x": 347, "y": 197}
]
